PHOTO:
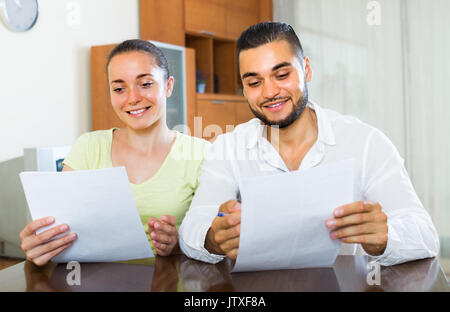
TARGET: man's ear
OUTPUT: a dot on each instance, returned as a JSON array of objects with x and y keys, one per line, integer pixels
[
  {"x": 169, "y": 86},
  {"x": 307, "y": 68}
]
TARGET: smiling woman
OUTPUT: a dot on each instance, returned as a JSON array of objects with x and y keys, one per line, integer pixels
[{"x": 162, "y": 165}]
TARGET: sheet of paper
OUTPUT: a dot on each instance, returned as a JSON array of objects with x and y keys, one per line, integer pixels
[
  {"x": 283, "y": 218},
  {"x": 97, "y": 205}
]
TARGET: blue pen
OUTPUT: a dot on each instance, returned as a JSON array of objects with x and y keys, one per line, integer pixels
[{"x": 222, "y": 214}]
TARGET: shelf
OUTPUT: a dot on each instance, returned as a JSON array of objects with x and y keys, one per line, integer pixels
[{"x": 217, "y": 96}]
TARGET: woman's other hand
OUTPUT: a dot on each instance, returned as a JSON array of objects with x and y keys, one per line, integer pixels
[{"x": 164, "y": 234}]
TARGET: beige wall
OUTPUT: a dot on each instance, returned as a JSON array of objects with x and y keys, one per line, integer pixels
[{"x": 45, "y": 73}]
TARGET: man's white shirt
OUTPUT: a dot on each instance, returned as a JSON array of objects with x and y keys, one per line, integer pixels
[{"x": 380, "y": 176}]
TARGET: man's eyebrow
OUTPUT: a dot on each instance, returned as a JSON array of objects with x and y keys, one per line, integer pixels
[
  {"x": 276, "y": 67},
  {"x": 137, "y": 77},
  {"x": 248, "y": 75}
]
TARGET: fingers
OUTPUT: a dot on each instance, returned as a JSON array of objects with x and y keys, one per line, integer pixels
[
  {"x": 35, "y": 225},
  {"x": 164, "y": 234},
  {"x": 223, "y": 236},
  {"x": 357, "y": 213},
  {"x": 369, "y": 239},
  {"x": 45, "y": 258},
  {"x": 356, "y": 207},
  {"x": 41, "y": 254},
  {"x": 359, "y": 229},
  {"x": 32, "y": 241},
  {"x": 230, "y": 206}
]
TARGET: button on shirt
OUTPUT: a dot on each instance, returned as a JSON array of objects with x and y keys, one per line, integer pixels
[{"x": 380, "y": 176}]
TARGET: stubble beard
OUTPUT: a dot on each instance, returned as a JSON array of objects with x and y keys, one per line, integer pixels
[{"x": 297, "y": 110}]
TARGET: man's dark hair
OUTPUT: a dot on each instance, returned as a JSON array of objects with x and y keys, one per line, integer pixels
[
  {"x": 138, "y": 45},
  {"x": 267, "y": 32}
]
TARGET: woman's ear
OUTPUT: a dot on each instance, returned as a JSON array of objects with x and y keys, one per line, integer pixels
[{"x": 169, "y": 87}]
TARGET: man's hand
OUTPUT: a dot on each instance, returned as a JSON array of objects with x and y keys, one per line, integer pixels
[
  {"x": 223, "y": 235},
  {"x": 360, "y": 223}
]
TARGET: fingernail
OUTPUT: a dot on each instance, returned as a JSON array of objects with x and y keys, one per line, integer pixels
[
  {"x": 338, "y": 212},
  {"x": 331, "y": 223},
  {"x": 64, "y": 227},
  {"x": 50, "y": 220},
  {"x": 72, "y": 236},
  {"x": 237, "y": 206},
  {"x": 333, "y": 235}
]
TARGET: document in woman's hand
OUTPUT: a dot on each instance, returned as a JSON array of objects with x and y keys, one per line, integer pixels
[{"x": 97, "y": 205}]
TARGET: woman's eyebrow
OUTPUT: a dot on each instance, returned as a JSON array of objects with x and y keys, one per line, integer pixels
[
  {"x": 137, "y": 77},
  {"x": 143, "y": 75}
]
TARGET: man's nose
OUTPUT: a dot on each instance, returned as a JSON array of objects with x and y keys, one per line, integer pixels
[
  {"x": 270, "y": 89},
  {"x": 134, "y": 97}
]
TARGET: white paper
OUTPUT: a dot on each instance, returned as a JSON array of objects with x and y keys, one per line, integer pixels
[
  {"x": 283, "y": 218},
  {"x": 97, "y": 205}
]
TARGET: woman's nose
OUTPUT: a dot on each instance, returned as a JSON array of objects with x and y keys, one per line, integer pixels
[{"x": 134, "y": 96}]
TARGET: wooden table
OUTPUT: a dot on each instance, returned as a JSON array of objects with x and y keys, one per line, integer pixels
[{"x": 179, "y": 273}]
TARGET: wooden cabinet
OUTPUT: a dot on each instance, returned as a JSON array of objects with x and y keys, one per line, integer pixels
[
  {"x": 243, "y": 112},
  {"x": 162, "y": 20},
  {"x": 205, "y": 17},
  {"x": 216, "y": 114},
  {"x": 239, "y": 15},
  {"x": 103, "y": 115},
  {"x": 209, "y": 30},
  {"x": 224, "y": 18}
]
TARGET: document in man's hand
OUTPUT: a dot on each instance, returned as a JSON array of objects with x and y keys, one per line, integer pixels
[
  {"x": 283, "y": 217},
  {"x": 97, "y": 205}
]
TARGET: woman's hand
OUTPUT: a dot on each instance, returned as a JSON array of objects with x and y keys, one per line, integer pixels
[
  {"x": 164, "y": 234},
  {"x": 38, "y": 247}
]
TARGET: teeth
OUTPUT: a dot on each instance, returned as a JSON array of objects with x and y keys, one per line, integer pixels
[
  {"x": 276, "y": 105},
  {"x": 138, "y": 111}
]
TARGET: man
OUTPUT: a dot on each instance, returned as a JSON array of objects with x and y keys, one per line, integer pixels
[{"x": 388, "y": 222}]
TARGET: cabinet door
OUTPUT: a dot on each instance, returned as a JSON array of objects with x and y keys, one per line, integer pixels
[
  {"x": 205, "y": 16},
  {"x": 103, "y": 115},
  {"x": 243, "y": 112},
  {"x": 216, "y": 117},
  {"x": 162, "y": 21},
  {"x": 239, "y": 15}
]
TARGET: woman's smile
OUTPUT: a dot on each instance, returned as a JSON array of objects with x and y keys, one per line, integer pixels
[{"x": 137, "y": 113}]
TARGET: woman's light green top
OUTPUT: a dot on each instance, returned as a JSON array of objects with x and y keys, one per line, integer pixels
[{"x": 169, "y": 191}]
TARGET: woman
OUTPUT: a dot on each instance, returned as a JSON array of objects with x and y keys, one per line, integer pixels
[{"x": 162, "y": 165}]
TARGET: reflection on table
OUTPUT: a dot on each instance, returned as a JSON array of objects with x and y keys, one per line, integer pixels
[{"x": 179, "y": 273}]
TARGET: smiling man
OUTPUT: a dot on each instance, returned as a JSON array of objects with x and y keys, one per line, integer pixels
[{"x": 292, "y": 133}]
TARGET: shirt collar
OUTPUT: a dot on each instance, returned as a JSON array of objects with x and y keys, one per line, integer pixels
[{"x": 325, "y": 131}]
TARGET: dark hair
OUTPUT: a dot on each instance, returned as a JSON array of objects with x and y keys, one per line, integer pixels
[
  {"x": 138, "y": 45},
  {"x": 267, "y": 32}
]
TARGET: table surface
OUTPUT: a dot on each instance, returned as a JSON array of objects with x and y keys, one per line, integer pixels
[{"x": 179, "y": 273}]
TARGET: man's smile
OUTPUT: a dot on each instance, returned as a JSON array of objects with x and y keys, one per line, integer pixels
[{"x": 275, "y": 106}]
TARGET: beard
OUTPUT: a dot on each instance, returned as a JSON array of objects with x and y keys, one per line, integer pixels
[{"x": 297, "y": 110}]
